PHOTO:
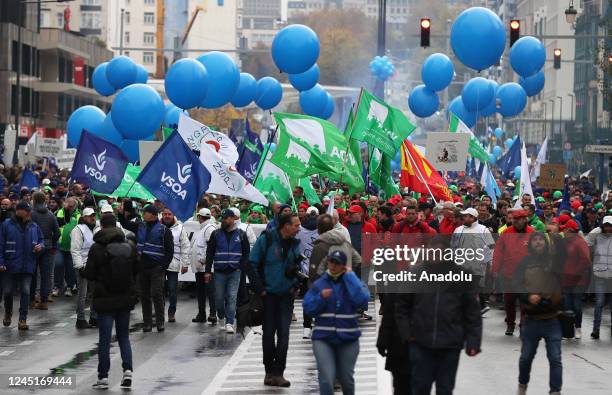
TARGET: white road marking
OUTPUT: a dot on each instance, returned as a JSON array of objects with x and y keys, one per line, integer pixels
[
  {"x": 45, "y": 333},
  {"x": 61, "y": 325},
  {"x": 6, "y": 353},
  {"x": 26, "y": 343}
]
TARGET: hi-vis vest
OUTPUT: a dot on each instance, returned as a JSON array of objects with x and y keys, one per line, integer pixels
[
  {"x": 228, "y": 250},
  {"x": 151, "y": 242},
  {"x": 88, "y": 241}
]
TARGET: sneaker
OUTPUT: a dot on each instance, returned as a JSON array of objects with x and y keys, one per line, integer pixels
[
  {"x": 269, "y": 379},
  {"x": 199, "y": 318},
  {"x": 68, "y": 293},
  {"x": 82, "y": 324},
  {"x": 280, "y": 381},
  {"x": 126, "y": 381},
  {"x": 147, "y": 328},
  {"x": 171, "y": 318},
  {"x": 484, "y": 310},
  {"x": 522, "y": 389},
  {"x": 510, "y": 330},
  {"x": 22, "y": 325},
  {"x": 212, "y": 320},
  {"x": 365, "y": 317},
  {"x": 101, "y": 384},
  {"x": 595, "y": 335},
  {"x": 229, "y": 328},
  {"x": 55, "y": 292},
  {"x": 93, "y": 322},
  {"x": 578, "y": 334},
  {"x": 160, "y": 328},
  {"x": 307, "y": 333}
]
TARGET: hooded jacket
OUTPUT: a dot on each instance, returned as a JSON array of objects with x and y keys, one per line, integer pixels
[
  {"x": 332, "y": 240},
  {"x": 47, "y": 223},
  {"x": 17, "y": 243},
  {"x": 182, "y": 247}
]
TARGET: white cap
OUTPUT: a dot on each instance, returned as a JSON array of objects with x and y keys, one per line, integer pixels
[
  {"x": 312, "y": 211},
  {"x": 458, "y": 204},
  {"x": 46, "y": 181},
  {"x": 107, "y": 208},
  {"x": 510, "y": 184},
  {"x": 204, "y": 212},
  {"x": 236, "y": 212},
  {"x": 607, "y": 220},
  {"x": 470, "y": 211},
  {"x": 88, "y": 211}
]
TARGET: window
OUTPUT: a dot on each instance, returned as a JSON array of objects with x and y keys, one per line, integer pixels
[
  {"x": 148, "y": 39},
  {"x": 91, "y": 2},
  {"x": 126, "y": 16},
  {"x": 90, "y": 20},
  {"x": 147, "y": 58},
  {"x": 239, "y": 21},
  {"x": 126, "y": 37},
  {"x": 149, "y": 2},
  {"x": 149, "y": 18},
  {"x": 60, "y": 19}
]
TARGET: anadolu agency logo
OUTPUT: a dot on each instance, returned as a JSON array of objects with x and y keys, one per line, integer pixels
[
  {"x": 177, "y": 186},
  {"x": 96, "y": 172}
]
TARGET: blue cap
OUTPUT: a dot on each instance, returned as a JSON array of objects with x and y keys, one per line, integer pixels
[{"x": 337, "y": 257}]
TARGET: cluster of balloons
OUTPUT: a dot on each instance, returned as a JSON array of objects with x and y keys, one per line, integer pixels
[
  {"x": 109, "y": 77},
  {"x": 382, "y": 68},
  {"x": 437, "y": 73},
  {"x": 317, "y": 102}
]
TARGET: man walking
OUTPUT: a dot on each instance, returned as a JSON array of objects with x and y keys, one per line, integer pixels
[
  {"x": 67, "y": 219},
  {"x": 227, "y": 253},
  {"x": 180, "y": 259},
  {"x": 81, "y": 240},
  {"x": 204, "y": 289},
  {"x": 155, "y": 250},
  {"x": 44, "y": 261}
]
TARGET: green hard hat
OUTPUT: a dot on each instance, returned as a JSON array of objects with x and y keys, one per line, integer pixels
[{"x": 557, "y": 194}]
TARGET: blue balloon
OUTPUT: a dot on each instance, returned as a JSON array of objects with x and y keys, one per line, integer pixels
[
  {"x": 512, "y": 98},
  {"x": 295, "y": 49},
  {"x": 121, "y": 72},
  {"x": 490, "y": 108},
  {"x": 100, "y": 82},
  {"x": 305, "y": 80},
  {"x": 423, "y": 102},
  {"x": 477, "y": 94},
  {"x": 478, "y": 38},
  {"x": 492, "y": 159},
  {"x": 247, "y": 91},
  {"x": 527, "y": 56},
  {"x": 497, "y": 151},
  {"x": 131, "y": 150},
  {"x": 456, "y": 107},
  {"x": 142, "y": 75},
  {"x": 172, "y": 117},
  {"x": 499, "y": 133},
  {"x": 313, "y": 101},
  {"x": 138, "y": 111},
  {"x": 186, "y": 83},
  {"x": 534, "y": 84},
  {"x": 517, "y": 172},
  {"x": 508, "y": 143},
  {"x": 89, "y": 118},
  {"x": 269, "y": 93},
  {"x": 330, "y": 106},
  {"x": 223, "y": 78},
  {"x": 108, "y": 132},
  {"x": 437, "y": 71}
]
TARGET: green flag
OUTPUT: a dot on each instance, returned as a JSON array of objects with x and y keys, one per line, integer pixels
[
  {"x": 129, "y": 187},
  {"x": 167, "y": 132},
  {"x": 273, "y": 182},
  {"x": 309, "y": 191},
  {"x": 379, "y": 124},
  {"x": 456, "y": 125},
  {"x": 380, "y": 172}
]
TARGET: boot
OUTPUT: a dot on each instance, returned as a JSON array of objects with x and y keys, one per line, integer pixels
[
  {"x": 510, "y": 330},
  {"x": 7, "y": 318},
  {"x": 268, "y": 380},
  {"x": 171, "y": 318},
  {"x": 93, "y": 322},
  {"x": 280, "y": 381},
  {"x": 522, "y": 389},
  {"x": 22, "y": 325},
  {"x": 199, "y": 318},
  {"x": 82, "y": 324}
]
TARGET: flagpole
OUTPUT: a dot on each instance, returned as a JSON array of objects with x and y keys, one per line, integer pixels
[
  {"x": 265, "y": 155},
  {"x": 292, "y": 198},
  {"x": 413, "y": 163}
]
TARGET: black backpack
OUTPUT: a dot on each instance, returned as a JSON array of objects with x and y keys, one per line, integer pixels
[{"x": 120, "y": 267}]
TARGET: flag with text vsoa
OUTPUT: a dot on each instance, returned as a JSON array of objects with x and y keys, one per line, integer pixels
[
  {"x": 176, "y": 177},
  {"x": 98, "y": 163}
]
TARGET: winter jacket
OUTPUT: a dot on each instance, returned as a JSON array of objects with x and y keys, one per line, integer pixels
[
  {"x": 445, "y": 316},
  {"x": 331, "y": 240},
  {"x": 602, "y": 254},
  {"x": 447, "y": 226},
  {"x": 577, "y": 262},
  {"x": 307, "y": 235},
  {"x": 510, "y": 250},
  {"x": 274, "y": 259},
  {"x": 537, "y": 224},
  {"x": 248, "y": 229},
  {"x": 182, "y": 248},
  {"x": 155, "y": 245},
  {"x": 537, "y": 276},
  {"x": 66, "y": 224},
  {"x": 336, "y": 317},
  {"x": 228, "y": 250},
  {"x": 47, "y": 223},
  {"x": 389, "y": 339},
  {"x": 17, "y": 245},
  {"x": 97, "y": 270},
  {"x": 81, "y": 240},
  {"x": 201, "y": 241},
  {"x": 418, "y": 227}
]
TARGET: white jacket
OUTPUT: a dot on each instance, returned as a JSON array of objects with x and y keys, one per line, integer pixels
[
  {"x": 201, "y": 243},
  {"x": 182, "y": 247},
  {"x": 249, "y": 232},
  {"x": 79, "y": 248}
]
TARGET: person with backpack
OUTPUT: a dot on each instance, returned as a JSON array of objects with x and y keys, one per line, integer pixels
[
  {"x": 334, "y": 301},
  {"x": 112, "y": 265},
  {"x": 180, "y": 260},
  {"x": 227, "y": 252},
  {"x": 204, "y": 289},
  {"x": 155, "y": 251}
]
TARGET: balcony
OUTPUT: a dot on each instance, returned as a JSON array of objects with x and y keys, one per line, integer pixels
[{"x": 73, "y": 44}]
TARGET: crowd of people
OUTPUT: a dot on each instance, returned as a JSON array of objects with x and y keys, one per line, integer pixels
[{"x": 554, "y": 248}]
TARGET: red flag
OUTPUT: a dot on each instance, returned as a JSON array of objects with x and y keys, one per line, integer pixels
[{"x": 420, "y": 176}]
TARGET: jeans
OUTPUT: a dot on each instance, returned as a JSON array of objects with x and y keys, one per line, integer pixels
[
  {"x": 205, "y": 290},
  {"x": 226, "y": 292},
  {"x": 105, "y": 330},
  {"x": 601, "y": 285},
  {"x": 171, "y": 286},
  {"x": 277, "y": 319},
  {"x": 44, "y": 265},
  {"x": 9, "y": 281},
  {"x": 531, "y": 333},
  {"x": 431, "y": 365},
  {"x": 572, "y": 300},
  {"x": 336, "y": 360},
  {"x": 152, "y": 289},
  {"x": 63, "y": 270},
  {"x": 84, "y": 287}
]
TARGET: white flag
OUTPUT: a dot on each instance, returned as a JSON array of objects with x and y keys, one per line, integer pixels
[
  {"x": 195, "y": 133},
  {"x": 525, "y": 186},
  {"x": 225, "y": 179},
  {"x": 540, "y": 160},
  {"x": 586, "y": 173}
]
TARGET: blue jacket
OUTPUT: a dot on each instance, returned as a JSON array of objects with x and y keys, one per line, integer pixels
[
  {"x": 17, "y": 246},
  {"x": 275, "y": 264},
  {"x": 228, "y": 251},
  {"x": 336, "y": 317},
  {"x": 151, "y": 241}
]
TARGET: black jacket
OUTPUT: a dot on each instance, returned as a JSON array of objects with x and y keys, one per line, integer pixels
[
  {"x": 389, "y": 339},
  {"x": 446, "y": 316},
  {"x": 97, "y": 270},
  {"x": 48, "y": 225}
]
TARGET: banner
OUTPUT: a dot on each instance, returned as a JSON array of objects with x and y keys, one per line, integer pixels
[
  {"x": 195, "y": 133},
  {"x": 48, "y": 147},
  {"x": 552, "y": 176},
  {"x": 66, "y": 159},
  {"x": 447, "y": 151},
  {"x": 147, "y": 149},
  {"x": 10, "y": 140}
]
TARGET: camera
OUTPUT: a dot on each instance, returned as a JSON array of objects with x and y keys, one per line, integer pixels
[{"x": 294, "y": 269}]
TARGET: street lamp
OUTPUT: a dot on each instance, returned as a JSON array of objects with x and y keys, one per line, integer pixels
[
  {"x": 572, "y": 107},
  {"x": 570, "y": 13},
  {"x": 544, "y": 104},
  {"x": 560, "y": 117}
]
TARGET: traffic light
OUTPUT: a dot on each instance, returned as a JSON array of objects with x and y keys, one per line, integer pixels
[
  {"x": 515, "y": 31},
  {"x": 557, "y": 60},
  {"x": 425, "y": 26}
]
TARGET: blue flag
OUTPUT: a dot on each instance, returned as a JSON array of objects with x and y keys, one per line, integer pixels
[
  {"x": 98, "y": 163},
  {"x": 508, "y": 162},
  {"x": 565, "y": 202},
  {"x": 28, "y": 180},
  {"x": 176, "y": 177},
  {"x": 250, "y": 154}
]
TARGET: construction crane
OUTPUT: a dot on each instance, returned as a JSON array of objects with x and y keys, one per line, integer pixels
[
  {"x": 197, "y": 10},
  {"x": 160, "y": 64}
]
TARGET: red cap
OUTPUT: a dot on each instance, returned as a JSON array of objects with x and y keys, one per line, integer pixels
[
  {"x": 546, "y": 195},
  {"x": 571, "y": 224},
  {"x": 563, "y": 218},
  {"x": 394, "y": 200},
  {"x": 519, "y": 213},
  {"x": 576, "y": 204},
  {"x": 355, "y": 209},
  {"x": 304, "y": 206}
]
